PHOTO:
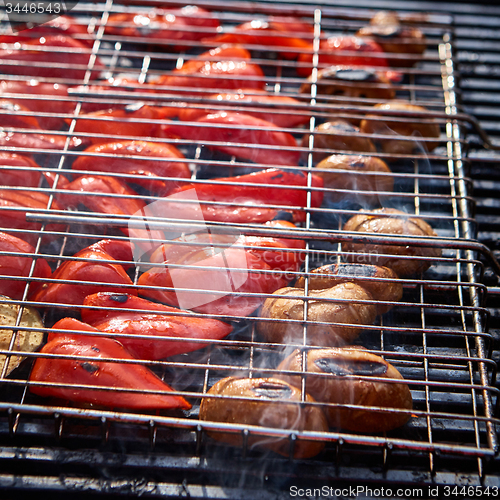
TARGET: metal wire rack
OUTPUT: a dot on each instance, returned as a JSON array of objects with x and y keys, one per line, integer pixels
[{"x": 437, "y": 336}]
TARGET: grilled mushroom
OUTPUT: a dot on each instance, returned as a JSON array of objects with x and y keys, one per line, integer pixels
[
  {"x": 405, "y": 260},
  {"x": 414, "y": 128},
  {"x": 341, "y": 376},
  {"x": 367, "y": 175},
  {"x": 350, "y": 82},
  {"x": 267, "y": 402},
  {"x": 386, "y": 29},
  {"x": 337, "y": 135},
  {"x": 24, "y": 341},
  {"x": 380, "y": 282},
  {"x": 335, "y": 315}
]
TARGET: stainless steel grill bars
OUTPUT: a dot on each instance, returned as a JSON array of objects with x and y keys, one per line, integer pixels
[{"x": 437, "y": 335}]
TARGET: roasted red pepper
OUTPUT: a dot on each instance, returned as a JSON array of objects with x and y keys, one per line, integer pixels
[
  {"x": 121, "y": 200},
  {"x": 274, "y": 108},
  {"x": 245, "y": 198},
  {"x": 15, "y": 115},
  {"x": 134, "y": 120},
  {"x": 98, "y": 266},
  {"x": 164, "y": 26},
  {"x": 53, "y": 99},
  {"x": 345, "y": 50},
  {"x": 13, "y": 208},
  {"x": 218, "y": 129},
  {"x": 48, "y": 57},
  {"x": 226, "y": 67},
  {"x": 25, "y": 171},
  {"x": 279, "y": 34},
  {"x": 36, "y": 142},
  {"x": 150, "y": 160},
  {"x": 228, "y": 283},
  {"x": 15, "y": 265},
  {"x": 82, "y": 365},
  {"x": 153, "y": 323}
]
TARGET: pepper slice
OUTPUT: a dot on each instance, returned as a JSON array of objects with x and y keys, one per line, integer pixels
[
  {"x": 92, "y": 372},
  {"x": 240, "y": 135},
  {"x": 15, "y": 265},
  {"x": 101, "y": 270},
  {"x": 126, "y": 157},
  {"x": 252, "y": 192},
  {"x": 151, "y": 320},
  {"x": 226, "y": 67}
]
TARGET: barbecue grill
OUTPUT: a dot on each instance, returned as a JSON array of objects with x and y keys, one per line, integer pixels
[{"x": 442, "y": 336}]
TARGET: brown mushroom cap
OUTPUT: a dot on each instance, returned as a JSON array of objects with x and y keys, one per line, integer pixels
[
  {"x": 342, "y": 376},
  {"x": 391, "y": 222},
  {"x": 267, "y": 402}
]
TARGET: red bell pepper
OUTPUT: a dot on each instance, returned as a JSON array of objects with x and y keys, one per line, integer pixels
[
  {"x": 82, "y": 365},
  {"x": 271, "y": 250},
  {"x": 164, "y": 26},
  {"x": 235, "y": 281},
  {"x": 153, "y": 322},
  {"x": 150, "y": 160},
  {"x": 13, "y": 208},
  {"x": 228, "y": 131},
  {"x": 36, "y": 142},
  {"x": 249, "y": 194},
  {"x": 25, "y": 171},
  {"x": 61, "y": 25},
  {"x": 98, "y": 266},
  {"x": 122, "y": 201},
  {"x": 273, "y": 34},
  {"x": 275, "y": 108},
  {"x": 15, "y": 265},
  {"x": 226, "y": 67},
  {"x": 134, "y": 120},
  {"x": 53, "y": 99},
  {"x": 48, "y": 57},
  {"x": 10, "y": 117},
  {"x": 344, "y": 50}
]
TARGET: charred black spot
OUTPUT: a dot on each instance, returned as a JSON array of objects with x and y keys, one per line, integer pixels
[
  {"x": 132, "y": 108},
  {"x": 90, "y": 367},
  {"x": 277, "y": 176},
  {"x": 282, "y": 215},
  {"x": 355, "y": 75},
  {"x": 341, "y": 367},
  {"x": 357, "y": 270},
  {"x": 96, "y": 349},
  {"x": 273, "y": 390},
  {"x": 121, "y": 298}
]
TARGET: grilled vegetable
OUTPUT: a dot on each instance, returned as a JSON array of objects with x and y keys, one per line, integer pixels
[
  {"x": 13, "y": 208},
  {"x": 333, "y": 136},
  {"x": 386, "y": 29},
  {"x": 17, "y": 266},
  {"x": 368, "y": 176},
  {"x": 22, "y": 340},
  {"x": 274, "y": 108},
  {"x": 343, "y": 377},
  {"x": 25, "y": 171},
  {"x": 240, "y": 135},
  {"x": 352, "y": 82},
  {"x": 48, "y": 57},
  {"x": 150, "y": 160},
  {"x": 381, "y": 282},
  {"x": 134, "y": 120},
  {"x": 404, "y": 259},
  {"x": 268, "y": 402},
  {"x": 335, "y": 315},
  {"x": 115, "y": 198},
  {"x": 344, "y": 51},
  {"x": 406, "y": 120},
  {"x": 164, "y": 25},
  {"x": 148, "y": 327},
  {"x": 280, "y": 34},
  {"x": 97, "y": 265},
  {"x": 82, "y": 366},
  {"x": 243, "y": 198},
  {"x": 224, "y": 68}
]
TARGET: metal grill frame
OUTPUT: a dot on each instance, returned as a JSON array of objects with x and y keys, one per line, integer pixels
[{"x": 463, "y": 242}]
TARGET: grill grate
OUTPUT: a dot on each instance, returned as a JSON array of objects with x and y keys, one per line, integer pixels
[{"x": 441, "y": 336}]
